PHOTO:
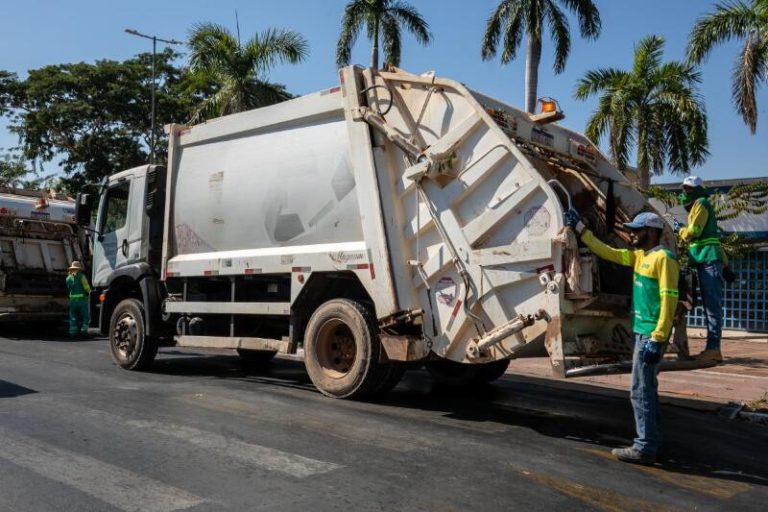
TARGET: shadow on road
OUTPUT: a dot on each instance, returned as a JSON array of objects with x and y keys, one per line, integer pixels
[
  {"x": 696, "y": 443},
  {"x": 10, "y": 390}
]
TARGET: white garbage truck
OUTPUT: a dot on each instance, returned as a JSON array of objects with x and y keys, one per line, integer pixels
[
  {"x": 390, "y": 221},
  {"x": 39, "y": 238}
]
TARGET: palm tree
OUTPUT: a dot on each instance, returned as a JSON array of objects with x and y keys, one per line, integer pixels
[
  {"x": 514, "y": 18},
  {"x": 239, "y": 70},
  {"x": 737, "y": 20},
  {"x": 654, "y": 109},
  {"x": 382, "y": 19}
]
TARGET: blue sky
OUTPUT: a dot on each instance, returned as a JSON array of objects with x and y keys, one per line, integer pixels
[{"x": 37, "y": 32}]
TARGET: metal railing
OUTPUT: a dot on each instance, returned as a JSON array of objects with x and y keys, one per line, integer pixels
[{"x": 745, "y": 301}]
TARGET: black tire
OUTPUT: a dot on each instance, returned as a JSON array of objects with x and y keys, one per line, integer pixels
[
  {"x": 451, "y": 373},
  {"x": 256, "y": 356},
  {"x": 130, "y": 348},
  {"x": 395, "y": 372},
  {"x": 490, "y": 372},
  {"x": 342, "y": 349}
]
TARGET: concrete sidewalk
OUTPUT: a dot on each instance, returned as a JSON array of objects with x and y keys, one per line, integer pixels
[{"x": 742, "y": 377}]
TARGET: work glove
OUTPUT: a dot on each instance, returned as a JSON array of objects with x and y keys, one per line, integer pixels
[
  {"x": 676, "y": 226},
  {"x": 572, "y": 218},
  {"x": 729, "y": 275},
  {"x": 652, "y": 351}
]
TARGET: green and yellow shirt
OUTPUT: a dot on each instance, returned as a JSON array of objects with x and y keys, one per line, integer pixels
[{"x": 654, "y": 290}]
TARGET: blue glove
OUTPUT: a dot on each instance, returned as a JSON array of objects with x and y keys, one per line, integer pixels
[
  {"x": 652, "y": 351},
  {"x": 676, "y": 226},
  {"x": 572, "y": 218}
]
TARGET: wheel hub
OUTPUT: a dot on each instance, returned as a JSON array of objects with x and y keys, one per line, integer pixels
[
  {"x": 336, "y": 349},
  {"x": 125, "y": 335}
]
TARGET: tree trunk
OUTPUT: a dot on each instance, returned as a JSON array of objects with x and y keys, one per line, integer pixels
[
  {"x": 533, "y": 57},
  {"x": 643, "y": 177},
  {"x": 375, "y": 49}
]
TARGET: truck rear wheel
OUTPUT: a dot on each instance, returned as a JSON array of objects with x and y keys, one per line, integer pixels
[
  {"x": 131, "y": 348},
  {"x": 341, "y": 350}
]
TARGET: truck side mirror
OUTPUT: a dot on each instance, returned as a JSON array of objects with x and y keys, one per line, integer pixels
[{"x": 82, "y": 210}]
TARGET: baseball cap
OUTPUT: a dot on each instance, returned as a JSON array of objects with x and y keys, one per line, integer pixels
[
  {"x": 693, "y": 181},
  {"x": 645, "y": 220}
]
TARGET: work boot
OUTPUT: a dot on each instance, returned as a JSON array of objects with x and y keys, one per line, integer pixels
[
  {"x": 710, "y": 355},
  {"x": 633, "y": 455}
]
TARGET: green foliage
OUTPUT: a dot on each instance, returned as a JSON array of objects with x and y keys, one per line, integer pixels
[
  {"x": 737, "y": 21},
  {"x": 514, "y": 19},
  {"x": 654, "y": 109},
  {"x": 383, "y": 20},
  {"x": 94, "y": 119},
  {"x": 238, "y": 73},
  {"x": 14, "y": 173}
]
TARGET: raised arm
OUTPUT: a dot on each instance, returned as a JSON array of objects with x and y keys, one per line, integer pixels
[{"x": 669, "y": 272}]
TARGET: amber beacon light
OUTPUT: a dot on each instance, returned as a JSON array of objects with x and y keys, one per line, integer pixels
[{"x": 549, "y": 113}]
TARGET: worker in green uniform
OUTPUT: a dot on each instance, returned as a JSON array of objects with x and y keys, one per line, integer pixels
[
  {"x": 654, "y": 299},
  {"x": 78, "y": 287},
  {"x": 707, "y": 257}
]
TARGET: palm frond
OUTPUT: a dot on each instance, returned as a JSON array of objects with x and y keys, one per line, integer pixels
[
  {"x": 728, "y": 21},
  {"x": 274, "y": 46},
  {"x": 410, "y": 18},
  {"x": 586, "y": 12},
  {"x": 599, "y": 80},
  {"x": 211, "y": 46},
  {"x": 390, "y": 31},
  {"x": 749, "y": 72},
  {"x": 561, "y": 34},
  {"x": 493, "y": 27}
]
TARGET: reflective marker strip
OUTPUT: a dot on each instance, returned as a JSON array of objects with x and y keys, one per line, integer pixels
[
  {"x": 363, "y": 266},
  {"x": 210, "y": 272},
  {"x": 301, "y": 269},
  {"x": 456, "y": 309},
  {"x": 252, "y": 271}
]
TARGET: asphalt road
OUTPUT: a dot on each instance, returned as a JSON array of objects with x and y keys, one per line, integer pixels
[{"x": 201, "y": 432}]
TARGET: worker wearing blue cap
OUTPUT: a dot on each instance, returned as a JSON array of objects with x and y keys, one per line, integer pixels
[{"x": 654, "y": 299}]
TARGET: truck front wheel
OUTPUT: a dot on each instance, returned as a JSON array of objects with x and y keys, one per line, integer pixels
[
  {"x": 341, "y": 350},
  {"x": 131, "y": 348}
]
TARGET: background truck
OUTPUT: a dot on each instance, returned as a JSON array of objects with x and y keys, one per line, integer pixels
[
  {"x": 39, "y": 238},
  {"x": 392, "y": 219}
]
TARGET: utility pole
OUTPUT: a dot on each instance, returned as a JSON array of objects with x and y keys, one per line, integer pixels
[{"x": 154, "y": 39}]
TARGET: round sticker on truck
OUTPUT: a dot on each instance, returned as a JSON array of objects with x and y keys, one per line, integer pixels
[{"x": 445, "y": 290}]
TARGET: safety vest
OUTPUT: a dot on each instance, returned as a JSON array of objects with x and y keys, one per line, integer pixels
[
  {"x": 78, "y": 286},
  {"x": 706, "y": 247}
]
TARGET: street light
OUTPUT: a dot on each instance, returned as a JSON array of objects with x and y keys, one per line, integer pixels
[{"x": 154, "y": 39}]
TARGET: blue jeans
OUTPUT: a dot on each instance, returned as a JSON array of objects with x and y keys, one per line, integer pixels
[
  {"x": 711, "y": 284},
  {"x": 645, "y": 399}
]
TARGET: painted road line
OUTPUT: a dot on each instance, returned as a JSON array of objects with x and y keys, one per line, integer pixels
[
  {"x": 247, "y": 453},
  {"x": 113, "y": 485}
]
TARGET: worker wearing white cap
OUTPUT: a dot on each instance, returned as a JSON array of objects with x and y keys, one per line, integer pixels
[
  {"x": 78, "y": 287},
  {"x": 707, "y": 257},
  {"x": 654, "y": 300}
]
